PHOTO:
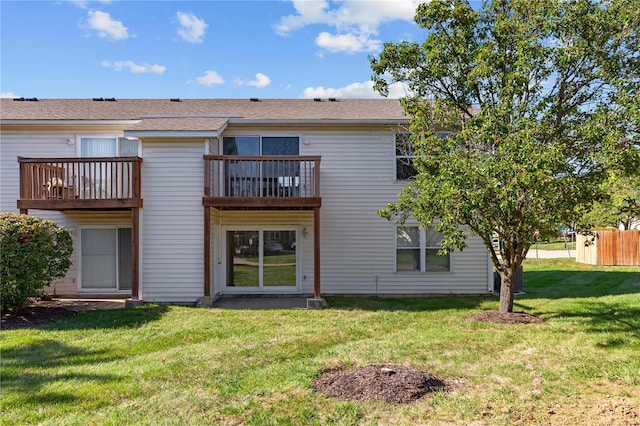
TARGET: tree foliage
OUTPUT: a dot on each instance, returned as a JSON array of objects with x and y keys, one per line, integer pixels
[
  {"x": 33, "y": 252},
  {"x": 621, "y": 208},
  {"x": 543, "y": 99}
]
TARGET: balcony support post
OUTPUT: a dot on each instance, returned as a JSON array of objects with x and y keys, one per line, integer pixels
[
  {"x": 316, "y": 252},
  {"x": 207, "y": 252},
  {"x": 317, "y": 302},
  {"x": 135, "y": 252}
]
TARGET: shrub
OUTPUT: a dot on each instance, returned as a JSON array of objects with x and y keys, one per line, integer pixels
[{"x": 33, "y": 252}]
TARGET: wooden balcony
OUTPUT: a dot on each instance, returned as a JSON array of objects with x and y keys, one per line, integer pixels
[
  {"x": 105, "y": 183},
  {"x": 233, "y": 181}
]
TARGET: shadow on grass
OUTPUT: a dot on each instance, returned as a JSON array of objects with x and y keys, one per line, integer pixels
[
  {"x": 558, "y": 284},
  {"x": 408, "y": 304},
  {"x": 50, "y": 353},
  {"x": 586, "y": 289},
  {"x": 552, "y": 283},
  {"x": 110, "y": 318},
  {"x": 617, "y": 323},
  {"x": 30, "y": 368},
  {"x": 614, "y": 320}
]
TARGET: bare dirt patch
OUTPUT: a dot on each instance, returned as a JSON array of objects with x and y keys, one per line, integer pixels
[
  {"x": 34, "y": 316},
  {"x": 390, "y": 383},
  {"x": 495, "y": 316}
]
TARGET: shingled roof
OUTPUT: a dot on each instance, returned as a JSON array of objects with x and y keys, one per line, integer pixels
[{"x": 236, "y": 109}]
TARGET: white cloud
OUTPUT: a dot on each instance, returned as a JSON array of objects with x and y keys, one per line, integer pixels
[
  {"x": 261, "y": 81},
  {"x": 356, "y": 22},
  {"x": 84, "y": 4},
  {"x": 135, "y": 68},
  {"x": 191, "y": 28},
  {"x": 8, "y": 95},
  {"x": 350, "y": 43},
  {"x": 309, "y": 12},
  {"x": 354, "y": 91},
  {"x": 106, "y": 26},
  {"x": 209, "y": 79}
]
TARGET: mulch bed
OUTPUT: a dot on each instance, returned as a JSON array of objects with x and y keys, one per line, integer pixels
[
  {"x": 34, "y": 316},
  {"x": 390, "y": 383},
  {"x": 495, "y": 316}
]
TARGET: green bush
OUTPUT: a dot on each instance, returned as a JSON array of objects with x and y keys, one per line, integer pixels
[{"x": 33, "y": 252}]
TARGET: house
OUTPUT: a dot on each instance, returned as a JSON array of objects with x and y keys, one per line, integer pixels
[{"x": 186, "y": 200}]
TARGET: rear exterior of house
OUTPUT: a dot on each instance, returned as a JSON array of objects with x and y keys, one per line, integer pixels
[{"x": 175, "y": 201}]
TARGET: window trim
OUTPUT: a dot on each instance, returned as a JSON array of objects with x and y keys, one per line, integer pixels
[
  {"x": 411, "y": 155},
  {"x": 117, "y": 137},
  {"x": 397, "y": 157},
  {"x": 260, "y": 136},
  {"x": 261, "y": 289},
  {"x": 116, "y": 290},
  {"x": 423, "y": 251}
]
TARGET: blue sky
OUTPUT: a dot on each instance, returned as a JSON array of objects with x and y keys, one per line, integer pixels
[{"x": 197, "y": 49}]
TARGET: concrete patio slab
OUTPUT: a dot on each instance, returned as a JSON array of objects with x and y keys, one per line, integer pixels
[{"x": 257, "y": 303}]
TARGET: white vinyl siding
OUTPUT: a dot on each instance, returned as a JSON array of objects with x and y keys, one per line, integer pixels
[
  {"x": 28, "y": 144},
  {"x": 357, "y": 250},
  {"x": 50, "y": 144},
  {"x": 357, "y": 177},
  {"x": 172, "y": 221}
]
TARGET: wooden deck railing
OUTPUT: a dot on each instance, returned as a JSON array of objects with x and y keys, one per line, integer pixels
[
  {"x": 101, "y": 182},
  {"x": 248, "y": 179}
]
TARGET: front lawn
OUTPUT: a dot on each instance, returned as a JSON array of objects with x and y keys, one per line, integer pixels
[
  {"x": 180, "y": 365},
  {"x": 553, "y": 245}
]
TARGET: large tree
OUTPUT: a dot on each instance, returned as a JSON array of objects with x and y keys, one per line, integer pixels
[
  {"x": 542, "y": 97},
  {"x": 621, "y": 208}
]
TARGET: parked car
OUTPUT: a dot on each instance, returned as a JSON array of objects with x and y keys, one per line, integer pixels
[{"x": 271, "y": 246}]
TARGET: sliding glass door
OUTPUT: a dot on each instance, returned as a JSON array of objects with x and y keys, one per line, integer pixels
[
  {"x": 105, "y": 259},
  {"x": 250, "y": 178},
  {"x": 261, "y": 260}
]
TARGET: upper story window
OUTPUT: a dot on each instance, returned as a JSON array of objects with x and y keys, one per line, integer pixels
[
  {"x": 405, "y": 155},
  {"x": 108, "y": 147},
  {"x": 417, "y": 250},
  {"x": 256, "y": 145}
]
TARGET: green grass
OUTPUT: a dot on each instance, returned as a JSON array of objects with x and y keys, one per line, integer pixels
[
  {"x": 180, "y": 365},
  {"x": 248, "y": 276},
  {"x": 553, "y": 245}
]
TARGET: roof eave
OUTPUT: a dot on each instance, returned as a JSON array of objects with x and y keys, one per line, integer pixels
[
  {"x": 324, "y": 121},
  {"x": 171, "y": 134},
  {"x": 92, "y": 123}
]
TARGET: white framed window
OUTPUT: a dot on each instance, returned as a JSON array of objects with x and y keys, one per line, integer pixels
[
  {"x": 105, "y": 258},
  {"x": 405, "y": 155},
  {"x": 261, "y": 145},
  {"x": 417, "y": 250},
  {"x": 108, "y": 146},
  {"x": 252, "y": 178}
]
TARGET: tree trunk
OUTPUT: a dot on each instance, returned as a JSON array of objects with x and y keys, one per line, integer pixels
[{"x": 506, "y": 289}]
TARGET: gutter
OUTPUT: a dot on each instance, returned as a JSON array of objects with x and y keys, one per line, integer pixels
[
  {"x": 119, "y": 123},
  {"x": 332, "y": 121}
]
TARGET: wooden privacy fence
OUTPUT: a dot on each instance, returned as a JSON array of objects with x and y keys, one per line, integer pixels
[{"x": 610, "y": 247}]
